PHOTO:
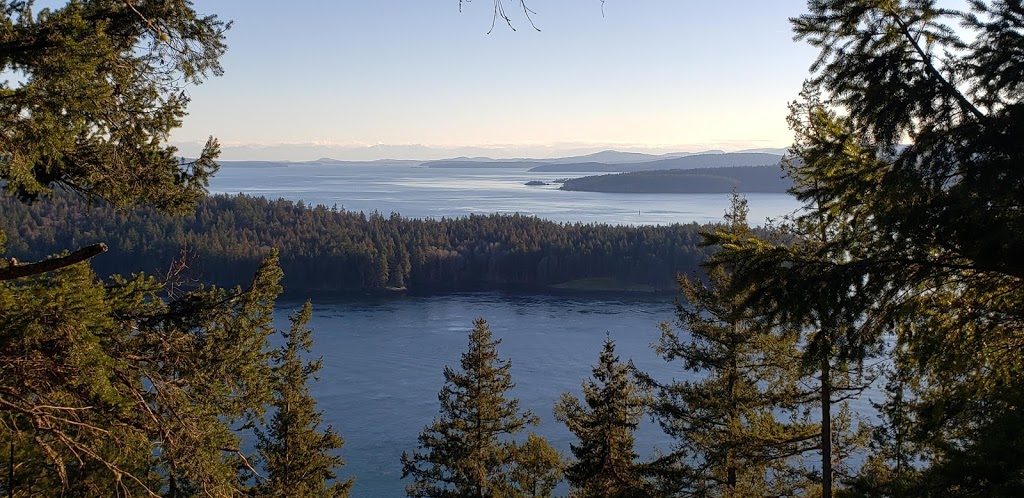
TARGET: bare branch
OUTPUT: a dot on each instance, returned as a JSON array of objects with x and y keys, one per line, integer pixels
[
  {"x": 20, "y": 270},
  {"x": 245, "y": 462},
  {"x": 149, "y": 24},
  {"x": 499, "y": 13},
  {"x": 175, "y": 278}
]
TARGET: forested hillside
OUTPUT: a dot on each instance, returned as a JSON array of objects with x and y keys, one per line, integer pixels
[{"x": 328, "y": 249}]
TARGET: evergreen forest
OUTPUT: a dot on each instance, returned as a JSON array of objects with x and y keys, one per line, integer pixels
[
  {"x": 158, "y": 372},
  {"x": 323, "y": 249}
]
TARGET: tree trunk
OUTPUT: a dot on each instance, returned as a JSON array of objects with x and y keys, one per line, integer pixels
[{"x": 826, "y": 428}]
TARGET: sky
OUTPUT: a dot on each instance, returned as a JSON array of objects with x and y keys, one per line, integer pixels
[{"x": 418, "y": 79}]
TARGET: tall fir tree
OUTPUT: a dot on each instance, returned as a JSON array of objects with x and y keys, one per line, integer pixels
[
  {"x": 299, "y": 459},
  {"x": 735, "y": 429},
  {"x": 468, "y": 450},
  {"x": 908, "y": 145},
  {"x": 605, "y": 463}
]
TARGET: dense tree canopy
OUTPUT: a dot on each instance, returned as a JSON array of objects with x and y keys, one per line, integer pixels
[
  {"x": 124, "y": 386},
  {"x": 908, "y": 148},
  {"x": 109, "y": 386},
  {"x": 92, "y": 90},
  {"x": 327, "y": 249}
]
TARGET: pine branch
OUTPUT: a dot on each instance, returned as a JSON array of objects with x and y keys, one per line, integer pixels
[
  {"x": 20, "y": 270},
  {"x": 950, "y": 88}
]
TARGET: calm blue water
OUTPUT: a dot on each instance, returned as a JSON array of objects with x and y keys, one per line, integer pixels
[
  {"x": 383, "y": 361},
  {"x": 420, "y": 192}
]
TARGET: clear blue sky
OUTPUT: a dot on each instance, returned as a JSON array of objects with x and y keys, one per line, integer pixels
[{"x": 658, "y": 74}]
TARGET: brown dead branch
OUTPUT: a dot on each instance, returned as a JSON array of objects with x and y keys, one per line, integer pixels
[{"x": 17, "y": 269}]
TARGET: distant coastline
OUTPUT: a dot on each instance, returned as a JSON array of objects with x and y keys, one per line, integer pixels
[{"x": 743, "y": 179}]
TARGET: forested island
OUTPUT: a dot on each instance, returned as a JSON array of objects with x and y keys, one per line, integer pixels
[
  {"x": 327, "y": 249},
  {"x": 687, "y": 181}
]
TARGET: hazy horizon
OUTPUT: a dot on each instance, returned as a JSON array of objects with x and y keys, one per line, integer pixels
[
  {"x": 417, "y": 152},
  {"x": 336, "y": 79}
]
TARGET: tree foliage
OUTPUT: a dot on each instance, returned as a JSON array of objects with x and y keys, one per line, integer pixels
[
  {"x": 123, "y": 386},
  {"x": 907, "y": 154},
  {"x": 736, "y": 429},
  {"x": 299, "y": 459},
  {"x": 468, "y": 451},
  {"x": 109, "y": 386},
  {"x": 538, "y": 468},
  {"x": 95, "y": 87},
  {"x": 605, "y": 463}
]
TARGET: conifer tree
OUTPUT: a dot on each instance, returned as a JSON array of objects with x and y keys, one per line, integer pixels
[
  {"x": 605, "y": 463},
  {"x": 537, "y": 468},
  {"x": 734, "y": 430},
  {"x": 103, "y": 85},
  {"x": 299, "y": 459},
  {"x": 128, "y": 386},
  {"x": 468, "y": 451},
  {"x": 908, "y": 145},
  {"x": 111, "y": 386}
]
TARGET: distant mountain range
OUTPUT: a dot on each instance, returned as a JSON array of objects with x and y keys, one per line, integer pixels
[
  {"x": 603, "y": 157},
  {"x": 619, "y": 162},
  {"x": 483, "y": 164},
  {"x": 604, "y": 161},
  {"x": 709, "y": 172},
  {"x": 326, "y": 161},
  {"x": 294, "y": 152},
  {"x": 722, "y": 160}
]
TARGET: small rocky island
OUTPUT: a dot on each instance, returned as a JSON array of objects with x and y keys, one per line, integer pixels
[{"x": 535, "y": 183}]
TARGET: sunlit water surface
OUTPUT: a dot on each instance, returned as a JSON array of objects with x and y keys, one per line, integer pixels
[{"x": 420, "y": 192}]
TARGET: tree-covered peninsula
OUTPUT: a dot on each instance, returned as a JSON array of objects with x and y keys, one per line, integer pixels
[{"x": 326, "y": 249}]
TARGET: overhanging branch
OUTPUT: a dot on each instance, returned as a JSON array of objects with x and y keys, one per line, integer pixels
[{"x": 19, "y": 270}]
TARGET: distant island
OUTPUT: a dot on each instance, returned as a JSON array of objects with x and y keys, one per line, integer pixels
[
  {"x": 747, "y": 179},
  {"x": 536, "y": 183},
  {"x": 686, "y": 162},
  {"x": 610, "y": 162}
]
